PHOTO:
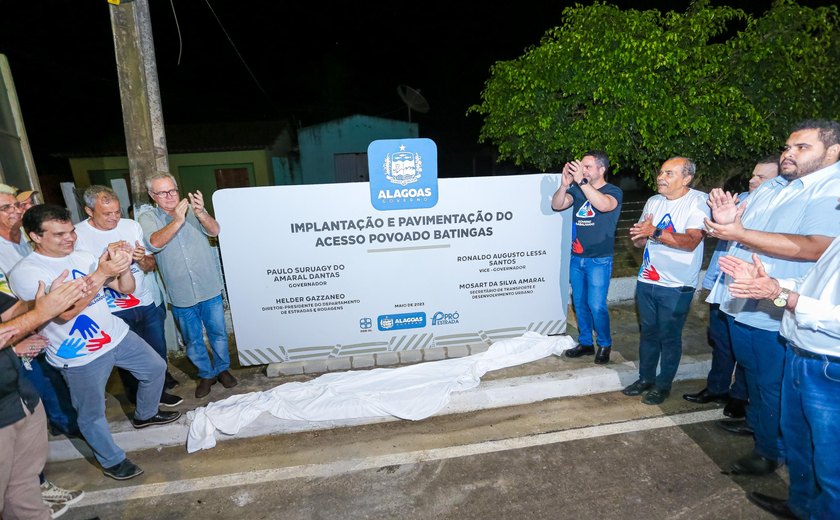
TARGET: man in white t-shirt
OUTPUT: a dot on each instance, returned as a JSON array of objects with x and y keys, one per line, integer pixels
[
  {"x": 105, "y": 228},
  {"x": 13, "y": 245},
  {"x": 86, "y": 342},
  {"x": 671, "y": 229}
]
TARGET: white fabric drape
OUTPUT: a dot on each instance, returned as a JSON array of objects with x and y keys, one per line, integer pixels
[{"x": 411, "y": 392}]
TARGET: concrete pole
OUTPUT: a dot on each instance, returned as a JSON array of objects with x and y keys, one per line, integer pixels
[{"x": 140, "y": 95}]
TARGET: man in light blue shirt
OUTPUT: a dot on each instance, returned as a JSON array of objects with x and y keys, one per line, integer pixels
[
  {"x": 176, "y": 232},
  {"x": 788, "y": 227},
  {"x": 726, "y": 382}
]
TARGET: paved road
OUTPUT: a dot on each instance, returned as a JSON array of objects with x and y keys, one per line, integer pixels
[{"x": 602, "y": 456}]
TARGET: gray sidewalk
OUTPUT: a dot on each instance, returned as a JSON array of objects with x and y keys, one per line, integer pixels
[{"x": 549, "y": 378}]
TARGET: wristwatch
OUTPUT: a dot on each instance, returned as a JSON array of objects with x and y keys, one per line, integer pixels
[
  {"x": 782, "y": 298},
  {"x": 583, "y": 182},
  {"x": 656, "y": 234}
]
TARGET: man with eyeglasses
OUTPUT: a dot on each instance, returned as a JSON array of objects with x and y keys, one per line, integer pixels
[
  {"x": 13, "y": 243},
  {"x": 176, "y": 231}
]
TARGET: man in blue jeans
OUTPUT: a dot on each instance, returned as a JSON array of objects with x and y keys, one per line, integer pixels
[
  {"x": 596, "y": 205},
  {"x": 87, "y": 341},
  {"x": 726, "y": 382},
  {"x": 671, "y": 231},
  {"x": 789, "y": 222},
  {"x": 176, "y": 232},
  {"x": 106, "y": 228}
]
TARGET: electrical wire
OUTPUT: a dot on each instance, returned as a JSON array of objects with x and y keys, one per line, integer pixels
[
  {"x": 178, "y": 27},
  {"x": 240, "y": 55}
]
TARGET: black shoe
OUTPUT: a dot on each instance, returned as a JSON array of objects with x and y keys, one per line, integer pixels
[
  {"x": 158, "y": 418},
  {"x": 704, "y": 396},
  {"x": 123, "y": 471},
  {"x": 754, "y": 465},
  {"x": 637, "y": 388},
  {"x": 603, "y": 356},
  {"x": 735, "y": 408},
  {"x": 203, "y": 387},
  {"x": 170, "y": 400},
  {"x": 227, "y": 379},
  {"x": 170, "y": 382},
  {"x": 775, "y": 506},
  {"x": 736, "y": 426},
  {"x": 656, "y": 396},
  {"x": 580, "y": 350}
]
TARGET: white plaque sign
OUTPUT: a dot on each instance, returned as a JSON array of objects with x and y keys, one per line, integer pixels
[{"x": 314, "y": 271}]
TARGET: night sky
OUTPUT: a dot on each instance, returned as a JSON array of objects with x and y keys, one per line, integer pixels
[{"x": 311, "y": 62}]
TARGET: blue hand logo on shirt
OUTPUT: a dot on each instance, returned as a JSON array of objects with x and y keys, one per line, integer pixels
[
  {"x": 70, "y": 348},
  {"x": 85, "y": 326},
  {"x": 111, "y": 297}
]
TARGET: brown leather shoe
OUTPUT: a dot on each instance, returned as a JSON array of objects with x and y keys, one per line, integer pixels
[
  {"x": 203, "y": 387},
  {"x": 227, "y": 379}
]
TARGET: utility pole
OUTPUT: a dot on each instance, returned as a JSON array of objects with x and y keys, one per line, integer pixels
[{"x": 145, "y": 138}]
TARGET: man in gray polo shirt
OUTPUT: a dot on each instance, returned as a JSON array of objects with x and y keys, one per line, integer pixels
[{"x": 176, "y": 232}]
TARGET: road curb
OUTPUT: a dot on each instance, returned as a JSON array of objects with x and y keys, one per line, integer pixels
[{"x": 488, "y": 394}]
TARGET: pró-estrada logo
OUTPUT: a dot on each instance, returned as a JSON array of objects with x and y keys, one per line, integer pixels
[
  {"x": 413, "y": 320},
  {"x": 445, "y": 318}
]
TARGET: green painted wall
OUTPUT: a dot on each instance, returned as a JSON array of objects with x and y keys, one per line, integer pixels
[{"x": 186, "y": 168}]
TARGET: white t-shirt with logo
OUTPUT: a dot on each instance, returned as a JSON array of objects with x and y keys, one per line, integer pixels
[
  {"x": 669, "y": 266},
  {"x": 84, "y": 338},
  {"x": 96, "y": 241}
]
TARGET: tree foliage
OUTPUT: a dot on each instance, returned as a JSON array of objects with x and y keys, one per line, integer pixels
[{"x": 713, "y": 83}]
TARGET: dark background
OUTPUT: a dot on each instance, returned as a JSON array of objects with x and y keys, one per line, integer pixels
[{"x": 310, "y": 61}]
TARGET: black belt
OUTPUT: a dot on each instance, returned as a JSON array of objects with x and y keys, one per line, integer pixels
[{"x": 813, "y": 355}]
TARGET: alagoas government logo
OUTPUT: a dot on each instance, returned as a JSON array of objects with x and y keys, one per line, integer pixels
[{"x": 403, "y": 173}]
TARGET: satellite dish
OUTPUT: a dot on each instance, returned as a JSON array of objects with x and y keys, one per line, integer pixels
[{"x": 413, "y": 99}]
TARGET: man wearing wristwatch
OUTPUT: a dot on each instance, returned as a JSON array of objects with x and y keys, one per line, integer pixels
[
  {"x": 671, "y": 231},
  {"x": 596, "y": 207},
  {"x": 788, "y": 222},
  {"x": 176, "y": 233},
  {"x": 810, "y": 408}
]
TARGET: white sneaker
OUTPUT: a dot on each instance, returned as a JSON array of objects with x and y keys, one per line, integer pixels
[
  {"x": 56, "y": 508},
  {"x": 58, "y": 495}
]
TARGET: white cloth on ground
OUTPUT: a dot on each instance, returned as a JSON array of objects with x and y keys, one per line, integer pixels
[{"x": 411, "y": 392}]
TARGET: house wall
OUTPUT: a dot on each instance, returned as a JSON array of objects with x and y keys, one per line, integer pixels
[
  {"x": 257, "y": 161},
  {"x": 320, "y": 144}
]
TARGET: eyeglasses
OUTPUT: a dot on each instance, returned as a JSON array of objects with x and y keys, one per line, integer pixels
[
  {"x": 167, "y": 194},
  {"x": 8, "y": 208}
]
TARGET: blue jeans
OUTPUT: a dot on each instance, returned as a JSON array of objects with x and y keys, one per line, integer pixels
[
  {"x": 208, "y": 315},
  {"x": 54, "y": 394},
  {"x": 810, "y": 425},
  {"x": 590, "y": 281},
  {"x": 146, "y": 322},
  {"x": 762, "y": 354},
  {"x": 87, "y": 392},
  {"x": 720, "y": 380},
  {"x": 662, "y": 314}
]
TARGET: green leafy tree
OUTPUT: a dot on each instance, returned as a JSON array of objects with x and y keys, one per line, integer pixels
[{"x": 713, "y": 83}]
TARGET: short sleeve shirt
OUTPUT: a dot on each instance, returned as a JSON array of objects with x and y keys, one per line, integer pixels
[
  {"x": 84, "y": 338},
  {"x": 593, "y": 232},
  {"x": 187, "y": 263},
  {"x": 669, "y": 266},
  {"x": 96, "y": 241}
]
